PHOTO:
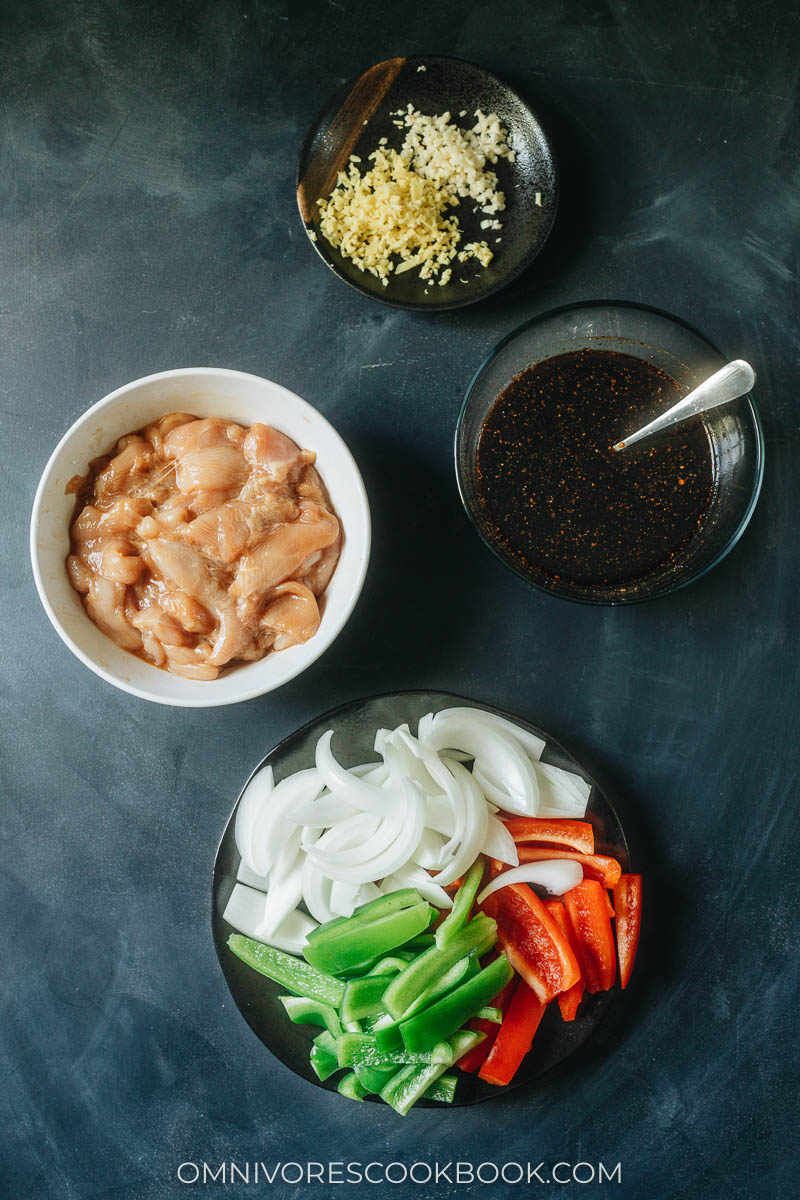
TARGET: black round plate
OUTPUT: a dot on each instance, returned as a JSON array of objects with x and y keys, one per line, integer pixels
[
  {"x": 257, "y": 997},
  {"x": 445, "y": 85}
]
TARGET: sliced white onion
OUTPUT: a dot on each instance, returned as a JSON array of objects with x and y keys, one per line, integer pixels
[
  {"x": 443, "y": 780},
  {"x": 256, "y": 794},
  {"x": 476, "y": 820},
  {"x": 495, "y": 751},
  {"x": 250, "y": 878},
  {"x": 353, "y": 790},
  {"x": 414, "y": 876},
  {"x": 412, "y": 823},
  {"x": 245, "y": 912},
  {"x": 367, "y": 848},
  {"x": 285, "y": 885},
  {"x": 373, "y": 772},
  {"x": 349, "y": 832},
  {"x": 429, "y": 851},
  {"x": 561, "y": 793},
  {"x": 346, "y": 897},
  {"x": 322, "y": 813},
  {"x": 273, "y": 826},
  {"x": 530, "y": 742},
  {"x": 404, "y": 763},
  {"x": 499, "y": 843},
  {"x": 555, "y": 875},
  {"x": 317, "y": 893}
]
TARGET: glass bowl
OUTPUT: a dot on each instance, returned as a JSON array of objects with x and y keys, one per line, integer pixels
[{"x": 734, "y": 433}]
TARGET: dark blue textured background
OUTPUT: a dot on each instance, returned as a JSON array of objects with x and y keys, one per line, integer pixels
[{"x": 147, "y": 220}]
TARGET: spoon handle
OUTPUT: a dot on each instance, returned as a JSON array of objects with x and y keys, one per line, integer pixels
[{"x": 730, "y": 382}]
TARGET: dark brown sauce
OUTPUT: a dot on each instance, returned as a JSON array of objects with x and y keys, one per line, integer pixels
[{"x": 558, "y": 499}]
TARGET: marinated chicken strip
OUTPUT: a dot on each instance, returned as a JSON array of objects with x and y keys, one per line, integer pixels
[
  {"x": 286, "y": 553},
  {"x": 275, "y": 455},
  {"x": 192, "y": 664},
  {"x": 156, "y": 432},
  {"x": 118, "y": 561},
  {"x": 105, "y": 604},
  {"x": 186, "y": 610},
  {"x": 293, "y": 614},
  {"x": 208, "y": 456},
  {"x": 198, "y": 543},
  {"x": 186, "y": 568},
  {"x": 154, "y": 621},
  {"x": 228, "y": 530},
  {"x": 135, "y": 459}
]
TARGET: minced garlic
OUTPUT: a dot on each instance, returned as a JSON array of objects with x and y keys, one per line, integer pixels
[{"x": 392, "y": 218}]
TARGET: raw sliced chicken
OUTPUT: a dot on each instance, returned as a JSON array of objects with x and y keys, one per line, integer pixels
[
  {"x": 105, "y": 604},
  {"x": 285, "y": 552},
  {"x": 206, "y": 458},
  {"x": 293, "y": 614},
  {"x": 226, "y": 531},
  {"x": 185, "y": 567},
  {"x": 273, "y": 454},
  {"x": 199, "y": 543}
]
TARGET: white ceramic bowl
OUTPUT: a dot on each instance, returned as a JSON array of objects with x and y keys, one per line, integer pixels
[{"x": 206, "y": 392}]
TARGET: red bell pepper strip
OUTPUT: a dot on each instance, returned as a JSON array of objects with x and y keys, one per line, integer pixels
[
  {"x": 568, "y": 1002},
  {"x": 595, "y": 866},
  {"x": 534, "y": 945},
  {"x": 628, "y": 909},
  {"x": 577, "y": 835},
  {"x": 587, "y": 909},
  {"x": 475, "y": 1057},
  {"x": 609, "y": 905},
  {"x": 515, "y": 1037}
]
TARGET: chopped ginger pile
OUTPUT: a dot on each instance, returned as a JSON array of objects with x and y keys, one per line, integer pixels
[{"x": 393, "y": 219}]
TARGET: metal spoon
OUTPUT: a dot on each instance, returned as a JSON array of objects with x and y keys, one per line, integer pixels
[{"x": 728, "y": 383}]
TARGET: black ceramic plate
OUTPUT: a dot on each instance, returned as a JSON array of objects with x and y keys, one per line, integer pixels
[
  {"x": 445, "y": 85},
  {"x": 355, "y": 725}
]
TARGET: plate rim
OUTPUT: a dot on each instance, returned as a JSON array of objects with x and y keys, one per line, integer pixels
[{"x": 532, "y": 253}]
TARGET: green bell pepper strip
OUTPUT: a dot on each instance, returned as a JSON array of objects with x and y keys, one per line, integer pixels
[
  {"x": 374, "y": 1079},
  {"x": 412, "y": 1083},
  {"x": 363, "y": 997},
  {"x": 458, "y": 916},
  {"x": 349, "y": 949},
  {"x": 350, "y": 1086},
  {"x": 391, "y": 965},
  {"x": 326, "y": 1041},
  {"x": 490, "y": 1014},
  {"x": 381, "y": 906},
  {"x": 388, "y": 1037},
  {"x": 322, "y": 1064},
  {"x": 475, "y": 938},
  {"x": 303, "y": 1011},
  {"x": 445, "y": 983},
  {"x": 292, "y": 973},
  {"x": 421, "y": 942},
  {"x": 448, "y": 1014},
  {"x": 324, "y": 1060},
  {"x": 352, "y": 1048},
  {"x": 387, "y": 1031},
  {"x": 443, "y": 1090}
]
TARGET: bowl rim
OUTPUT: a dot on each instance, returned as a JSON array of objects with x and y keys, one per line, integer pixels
[
  {"x": 207, "y": 701},
  {"x": 599, "y": 601},
  {"x": 435, "y": 305}
]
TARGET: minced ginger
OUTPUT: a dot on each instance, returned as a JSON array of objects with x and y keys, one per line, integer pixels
[{"x": 392, "y": 218}]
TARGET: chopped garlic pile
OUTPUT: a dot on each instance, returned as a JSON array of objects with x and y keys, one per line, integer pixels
[{"x": 392, "y": 218}]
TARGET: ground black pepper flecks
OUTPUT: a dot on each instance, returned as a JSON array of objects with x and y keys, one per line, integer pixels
[{"x": 560, "y": 501}]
